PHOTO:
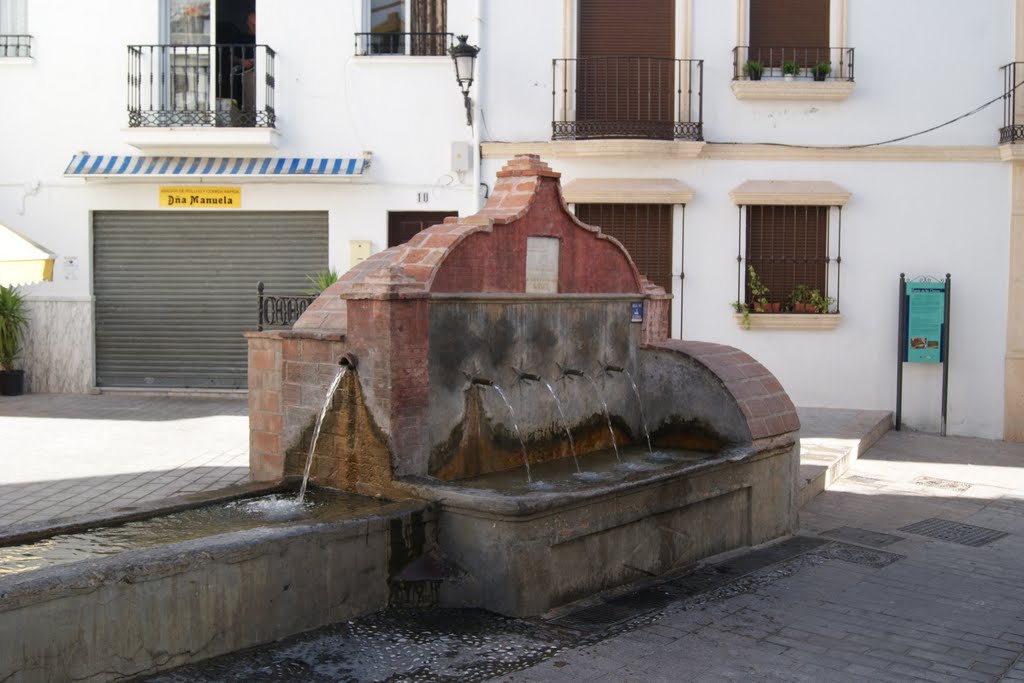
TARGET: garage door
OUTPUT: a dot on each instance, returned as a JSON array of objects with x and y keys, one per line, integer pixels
[{"x": 175, "y": 292}]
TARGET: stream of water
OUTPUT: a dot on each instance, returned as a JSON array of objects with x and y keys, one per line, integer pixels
[{"x": 316, "y": 431}]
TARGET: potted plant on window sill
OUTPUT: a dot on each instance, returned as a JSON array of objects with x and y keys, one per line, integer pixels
[
  {"x": 759, "y": 294},
  {"x": 753, "y": 69},
  {"x": 13, "y": 321},
  {"x": 789, "y": 70},
  {"x": 821, "y": 70}
]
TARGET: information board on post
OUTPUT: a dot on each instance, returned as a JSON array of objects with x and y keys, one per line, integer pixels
[{"x": 926, "y": 318}]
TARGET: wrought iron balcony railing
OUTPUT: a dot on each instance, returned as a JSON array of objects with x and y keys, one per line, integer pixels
[
  {"x": 800, "y": 63},
  {"x": 415, "y": 44},
  {"x": 627, "y": 97},
  {"x": 228, "y": 85},
  {"x": 15, "y": 46},
  {"x": 280, "y": 311},
  {"x": 1013, "y": 106}
]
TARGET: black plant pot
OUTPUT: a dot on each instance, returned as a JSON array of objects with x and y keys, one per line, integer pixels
[
  {"x": 819, "y": 76},
  {"x": 754, "y": 76},
  {"x": 12, "y": 382}
]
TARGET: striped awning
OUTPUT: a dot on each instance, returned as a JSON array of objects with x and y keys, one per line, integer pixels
[{"x": 115, "y": 166}]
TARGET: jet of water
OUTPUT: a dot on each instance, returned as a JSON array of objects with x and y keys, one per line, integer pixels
[
  {"x": 607, "y": 415},
  {"x": 568, "y": 432},
  {"x": 316, "y": 431},
  {"x": 643, "y": 420},
  {"x": 515, "y": 425}
]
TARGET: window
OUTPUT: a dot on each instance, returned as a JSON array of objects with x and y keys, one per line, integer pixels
[
  {"x": 789, "y": 251},
  {"x": 403, "y": 225},
  {"x": 786, "y": 254},
  {"x": 645, "y": 230},
  {"x": 792, "y": 40},
  {"x": 399, "y": 27},
  {"x": 14, "y": 38},
  {"x": 789, "y": 30}
]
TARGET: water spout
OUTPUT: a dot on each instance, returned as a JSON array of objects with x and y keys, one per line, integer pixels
[
  {"x": 614, "y": 368},
  {"x": 316, "y": 430},
  {"x": 348, "y": 360},
  {"x": 527, "y": 376},
  {"x": 573, "y": 373},
  {"x": 481, "y": 381}
]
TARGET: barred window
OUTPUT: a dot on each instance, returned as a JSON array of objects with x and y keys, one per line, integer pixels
[{"x": 787, "y": 246}]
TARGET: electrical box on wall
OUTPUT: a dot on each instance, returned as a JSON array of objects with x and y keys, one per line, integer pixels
[
  {"x": 358, "y": 251},
  {"x": 462, "y": 158}
]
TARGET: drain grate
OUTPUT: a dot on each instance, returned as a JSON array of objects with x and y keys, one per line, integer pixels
[
  {"x": 954, "y": 532},
  {"x": 615, "y": 611},
  {"x": 875, "y": 539},
  {"x": 855, "y": 554},
  {"x": 947, "y": 484}
]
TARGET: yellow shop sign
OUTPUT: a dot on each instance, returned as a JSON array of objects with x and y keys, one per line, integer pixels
[{"x": 202, "y": 197}]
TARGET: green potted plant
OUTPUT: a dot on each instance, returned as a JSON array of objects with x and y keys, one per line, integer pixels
[
  {"x": 753, "y": 69},
  {"x": 321, "y": 281},
  {"x": 800, "y": 300},
  {"x": 789, "y": 69},
  {"x": 743, "y": 310},
  {"x": 759, "y": 294},
  {"x": 13, "y": 321},
  {"x": 821, "y": 303},
  {"x": 821, "y": 70}
]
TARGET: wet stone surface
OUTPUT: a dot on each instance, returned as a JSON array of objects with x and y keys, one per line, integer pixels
[{"x": 449, "y": 645}]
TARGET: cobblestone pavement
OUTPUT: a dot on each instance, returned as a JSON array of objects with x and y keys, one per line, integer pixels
[
  {"x": 67, "y": 455},
  {"x": 907, "y": 569}
]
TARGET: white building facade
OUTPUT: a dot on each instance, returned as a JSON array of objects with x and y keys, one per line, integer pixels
[{"x": 347, "y": 131}]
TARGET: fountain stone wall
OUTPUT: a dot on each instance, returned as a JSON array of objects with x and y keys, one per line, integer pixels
[{"x": 516, "y": 295}]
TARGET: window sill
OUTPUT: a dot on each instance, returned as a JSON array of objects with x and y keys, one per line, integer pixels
[
  {"x": 16, "y": 61},
  {"x": 790, "y": 321},
  {"x": 830, "y": 91}
]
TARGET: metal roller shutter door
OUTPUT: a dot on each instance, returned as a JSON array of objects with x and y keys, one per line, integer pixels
[{"x": 175, "y": 292}]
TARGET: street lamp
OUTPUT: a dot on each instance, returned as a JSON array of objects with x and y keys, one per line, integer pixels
[{"x": 464, "y": 56}]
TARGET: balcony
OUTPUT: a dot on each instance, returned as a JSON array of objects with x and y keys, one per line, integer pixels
[
  {"x": 12, "y": 46},
  {"x": 649, "y": 98},
  {"x": 201, "y": 86},
  {"x": 412, "y": 44},
  {"x": 1013, "y": 114},
  {"x": 792, "y": 73}
]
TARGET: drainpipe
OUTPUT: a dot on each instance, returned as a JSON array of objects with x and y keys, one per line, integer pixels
[{"x": 478, "y": 27}]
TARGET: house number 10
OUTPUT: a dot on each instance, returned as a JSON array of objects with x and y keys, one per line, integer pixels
[{"x": 422, "y": 197}]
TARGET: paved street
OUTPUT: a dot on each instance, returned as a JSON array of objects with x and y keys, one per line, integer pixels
[
  {"x": 880, "y": 583},
  {"x": 63, "y": 456}
]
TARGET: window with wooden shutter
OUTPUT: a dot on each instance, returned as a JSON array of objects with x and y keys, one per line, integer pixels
[
  {"x": 645, "y": 230},
  {"x": 403, "y": 225},
  {"x": 795, "y": 30},
  {"x": 787, "y": 246},
  {"x": 625, "y": 68}
]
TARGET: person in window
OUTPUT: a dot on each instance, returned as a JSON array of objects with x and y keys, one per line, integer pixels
[{"x": 244, "y": 70}]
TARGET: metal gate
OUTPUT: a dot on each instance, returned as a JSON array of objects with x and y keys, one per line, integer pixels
[{"x": 175, "y": 292}]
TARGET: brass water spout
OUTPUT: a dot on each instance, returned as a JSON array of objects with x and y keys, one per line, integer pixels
[
  {"x": 482, "y": 381},
  {"x": 575, "y": 373},
  {"x": 348, "y": 360},
  {"x": 521, "y": 375},
  {"x": 613, "y": 368}
]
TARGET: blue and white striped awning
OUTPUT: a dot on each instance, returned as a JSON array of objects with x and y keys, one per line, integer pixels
[{"x": 115, "y": 166}]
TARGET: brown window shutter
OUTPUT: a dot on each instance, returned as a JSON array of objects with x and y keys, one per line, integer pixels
[
  {"x": 638, "y": 28},
  {"x": 645, "y": 230},
  {"x": 787, "y": 246},
  {"x": 403, "y": 225},
  {"x": 789, "y": 29}
]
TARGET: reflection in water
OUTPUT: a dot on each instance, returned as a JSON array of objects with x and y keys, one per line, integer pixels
[
  {"x": 599, "y": 468},
  {"x": 277, "y": 509}
]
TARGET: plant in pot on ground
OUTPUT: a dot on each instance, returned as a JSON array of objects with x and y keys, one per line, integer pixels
[
  {"x": 821, "y": 70},
  {"x": 13, "y": 321},
  {"x": 790, "y": 69},
  {"x": 753, "y": 69}
]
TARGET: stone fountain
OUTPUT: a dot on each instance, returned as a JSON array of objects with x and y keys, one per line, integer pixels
[{"x": 524, "y": 289}]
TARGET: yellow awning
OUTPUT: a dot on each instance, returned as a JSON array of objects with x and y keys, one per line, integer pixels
[
  {"x": 789, "y": 192},
  {"x": 22, "y": 261}
]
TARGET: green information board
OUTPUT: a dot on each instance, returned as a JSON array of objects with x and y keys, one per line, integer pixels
[{"x": 925, "y": 318}]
